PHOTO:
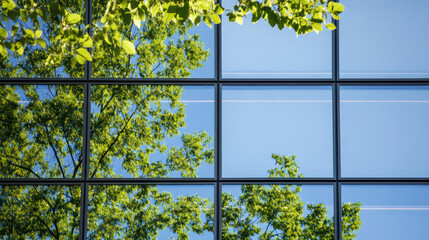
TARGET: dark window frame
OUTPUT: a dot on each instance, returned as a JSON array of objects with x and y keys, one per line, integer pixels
[{"x": 335, "y": 81}]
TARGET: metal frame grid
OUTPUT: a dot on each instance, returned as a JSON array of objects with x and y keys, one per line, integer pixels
[{"x": 335, "y": 81}]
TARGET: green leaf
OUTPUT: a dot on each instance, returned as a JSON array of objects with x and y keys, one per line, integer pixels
[
  {"x": 330, "y": 6},
  {"x": 215, "y": 18},
  {"x": 239, "y": 20},
  {"x": 3, "y": 33},
  {"x": 124, "y": 4},
  {"x": 208, "y": 21},
  {"x": 128, "y": 47},
  {"x": 317, "y": 26},
  {"x": 3, "y": 51},
  {"x": 219, "y": 9},
  {"x": 20, "y": 50},
  {"x": 8, "y": 4},
  {"x": 104, "y": 19},
  {"x": 73, "y": 18},
  {"x": 137, "y": 21},
  {"x": 283, "y": 12},
  {"x": 84, "y": 53},
  {"x": 331, "y": 26},
  {"x": 338, "y": 8},
  {"x": 197, "y": 20},
  {"x": 272, "y": 19},
  {"x": 87, "y": 43},
  {"x": 41, "y": 42},
  {"x": 38, "y": 33},
  {"x": 256, "y": 16},
  {"x": 29, "y": 33},
  {"x": 80, "y": 59},
  {"x": 15, "y": 29}
]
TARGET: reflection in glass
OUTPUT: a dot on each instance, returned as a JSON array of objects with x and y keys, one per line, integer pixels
[
  {"x": 44, "y": 56},
  {"x": 384, "y": 131},
  {"x": 39, "y": 212},
  {"x": 259, "y": 124},
  {"x": 393, "y": 212},
  {"x": 381, "y": 45},
  {"x": 150, "y": 212},
  {"x": 172, "y": 50},
  {"x": 260, "y": 51},
  {"x": 280, "y": 212},
  {"x": 152, "y": 131},
  {"x": 41, "y": 131}
]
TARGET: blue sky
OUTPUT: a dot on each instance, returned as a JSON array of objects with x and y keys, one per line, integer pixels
[
  {"x": 258, "y": 121},
  {"x": 391, "y": 212},
  {"x": 259, "y": 51},
  {"x": 384, "y": 130},
  {"x": 384, "y": 38},
  {"x": 383, "y": 134}
]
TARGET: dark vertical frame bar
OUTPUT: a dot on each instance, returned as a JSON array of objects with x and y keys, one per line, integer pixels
[
  {"x": 218, "y": 163},
  {"x": 336, "y": 129},
  {"x": 85, "y": 164},
  {"x": 336, "y": 182},
  {"x": 337, "y": 166},
  {"x": 86, "y": 130},
  {"x": 218, "y": 131}
]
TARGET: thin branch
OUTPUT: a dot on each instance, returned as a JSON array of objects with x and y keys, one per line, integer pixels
[
  {"x": 77, "y": 167},
  {"x": 55, "y": 152},
  {"x": 25, "y": 168},
  {"x": 114, "y": 141}
]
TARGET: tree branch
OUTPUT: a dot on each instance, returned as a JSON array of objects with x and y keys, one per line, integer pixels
[
  {"x": 25, "y": 168},
  {"x": 114, "y": 141},
  {"x": 55, "y": 152}
]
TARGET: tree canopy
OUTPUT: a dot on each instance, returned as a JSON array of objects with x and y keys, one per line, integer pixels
[
  {"x": 69, "y": 37},
  {"x": 41, "y": 126}
]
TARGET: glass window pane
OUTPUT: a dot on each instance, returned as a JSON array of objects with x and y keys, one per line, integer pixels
[
  {"x": 384, "y": 131},
  {"x": 260, "y": 51},
  {"x": 39, "y": 212},
  {"x": 152, "y": 131},
  {"x": 264, "y": 126},
  {"x": 393, "y": 212},
  {"x": 41, "y": 131},
  {"x": 171, "y": 50},
  {"x": 277, "y": 212},
  {"x": 150, "y": 212},
  {"x": 49, "y": 55},
  {"x": 382, "y": 43}
]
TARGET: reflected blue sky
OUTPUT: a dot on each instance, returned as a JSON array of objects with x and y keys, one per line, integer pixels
[
  {"x": 260, "y": 51},
  {"x": 390, "y": 212},
  {"x": 258, "y": 121},
  {"x": 384, "y": 38},
  {"x": 384, "y": 131}
]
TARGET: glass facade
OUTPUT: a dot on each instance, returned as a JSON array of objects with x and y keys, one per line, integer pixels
[{"x": 229, "y": 132}]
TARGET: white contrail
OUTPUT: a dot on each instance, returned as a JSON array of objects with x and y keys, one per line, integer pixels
[{"x": 396, "y": 208}]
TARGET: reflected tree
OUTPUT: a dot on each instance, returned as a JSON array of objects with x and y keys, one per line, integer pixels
[
  {"x": 41, "y": 129},
  {"x": 277, "y": 211},
  {"x": 62, "y": 23}
]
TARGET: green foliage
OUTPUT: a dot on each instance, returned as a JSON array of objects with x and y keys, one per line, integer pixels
[
  {"x": 39, "y": 212},
  {"x": 22, "y": 22},
  {"x": 303, "y": 16},
  {"x": 277, "y": 212},
  {"x": 41, "y": 126}
]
